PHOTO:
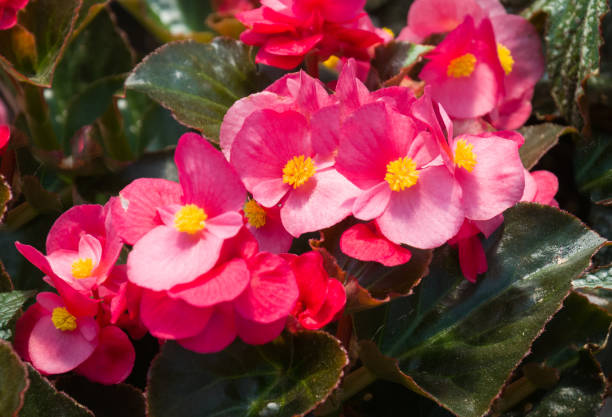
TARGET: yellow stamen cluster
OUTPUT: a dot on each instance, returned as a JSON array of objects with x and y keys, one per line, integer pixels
[
  {"x": 505, "y": 58},
  {"x": 401, "y": 174},
  {"x": 389, "y": 31},
  {"x": 462, "y": 66},
  {"x": 332, "y": 62},
  {"x": 298, "y": 170},
  {"x": 464, "y": 155},
  {"x": 255, "y": 214},
  {"x": 63, "y": 320},
  {"x": 190, "y": 219},
  {"x": 82, "y": 268}
]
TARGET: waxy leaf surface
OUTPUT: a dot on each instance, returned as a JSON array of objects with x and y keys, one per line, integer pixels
[
  {"x": 458, "y": 342},
  {"x": 13, "y": 381},
  {"x": 286, "y": 377},
  {"x": 197, "y": 82},
  {"x": 539, "y": 139},
  {"x": 10, "y": 303}
]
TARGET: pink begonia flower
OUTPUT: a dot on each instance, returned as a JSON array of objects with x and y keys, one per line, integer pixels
[
  {"x": 322, "y": 298},
  {"x": 464, "y": 70},
  {"x": 112, "y": 360},
  {"x": 414, "y": 202},
  {"x": 281, "y": 160},
  {"x": 5, "y": 135},
  {"x": 54, "y": 337},
  {"x": 364, "y": 241},
  {"x": 8, "y": 12},
  {"x": 540, "y": 187},
  {"x": 428, "y": 17},
  {"x": 520, "y": 53},
  {"x": 298, "y": 91},
  {"x": 82, "y": 247},
  {"x": 287, "y": 30},
  {"x": 178, "y": 235},
  {"x": 266, "y": 225}
]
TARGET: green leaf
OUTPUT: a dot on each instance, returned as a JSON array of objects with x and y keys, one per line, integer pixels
[
  {"x": 172, "y": 19},
  {"x": 396, "y": 58},
  {"x": 593, "y": 168},
  {"x": 579, "y": 392},
  {"x": 10, "y": 304},
  {"x": 457, "y": 341},
  {"x": 539, "y": 139},
  {"x": 39, "y": 198},
  {"x": 42, "y": 399},
  {"x": 197, "y": 82},
  {"x": 119, "y": 400},
  {"x": 13, "y": 381},
  {"x": 5, "y": 196},
  {"x": 6, "y": 284},
  {"x": 288, "y": 376},
  {"x": 572, "y": 51},
  {"x": 601, "y": 278},
  {"x": 30, "y": 51}
]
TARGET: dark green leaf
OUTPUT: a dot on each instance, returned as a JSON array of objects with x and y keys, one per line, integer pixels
[
  {"x": 88, "y": 11},
  {"x": 539, "y": 139},
  {"x": 288, "y": 376},
  {"x": 601, "y": 278},
  {"x": 120, "y": 400},
  {"x": 10, "y": 304},
  {"x": 572, "y": 51},
  {"x": 395, "y": 57},
  {"x": 13, "y": 381},
  {"x": 32, "y": 49},
  {"x": 6, "y": 284},
  {"x": 459, "y": 341},
  {"x": 42, "y": 399},
  {"x": 197, "y": 82},
  {"x": 593, "y": 168},
  {"x": 579, "y": 393},
  {"x": 39, "y": 198},
  {"x": 5, "y": 196}
]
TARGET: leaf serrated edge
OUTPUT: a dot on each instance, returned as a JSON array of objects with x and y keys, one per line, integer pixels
[{"x": 25, "y": 372}]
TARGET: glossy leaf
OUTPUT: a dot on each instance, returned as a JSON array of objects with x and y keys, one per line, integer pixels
[
  {"x": 601, "y": 278},
  {"x": 572, "y": 51},
  {"x": 396, "y": 58},
  {"x": 539, "y": 139},
  {"x": 12, "y": 380},
  {"x": 119, "y": 400},
  {"x": 593, "y": 168},
  {"x": 31, "y": 50},
  {"x": 288, "y": 376},
  {"x": 458, "y": 342},
  {"x": 42, "y": 399},
  {"x": 197, "y": 82},
  {"x": 10, "y": 304}
]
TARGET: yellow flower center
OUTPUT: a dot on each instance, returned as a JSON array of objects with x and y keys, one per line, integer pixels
[
  {"x": 389, "y": 31},
  {"x": 81, "y": 268},
  {"x": 462, "y": 66},
  {"x": 505, "y": 58},
  {"x": 332, "y": 62},
  {"x": 63, "y": 320},
  {"x": 401, "y": 174},
  {"x": 298, "y": 170},
  {"x": 190, "y": 219},
  {"x": 255, "y": 214},
  {"x": 464, "y": 155}
]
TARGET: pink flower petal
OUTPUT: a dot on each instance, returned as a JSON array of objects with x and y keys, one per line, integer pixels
[
  {"x": 373, "y": 202},
  {"x": 90, "y": 248},
  {"x": 113, "y": 359},
  {"x": 54, "y": 351},
  {"x": 167, "y": 318},
  {"x": 219, "y": 332},
  {"x": 334, "y": 303},
  {"x": 472, "y": 258},
  {"x": 207, "y": 179},
  {"x": 223, "y": 283},
  {"x": 548, "y": 185},
  {"x": 272, "y": 237},
  {"x": 366, "y": 243},
  {"x": 135, "y": 211},
  {"x": 165, "y": 257},
  {"x": 311, "y": 278},
  {"x": 255, "y": 333},
  {"x": 24, "y": 326},
  {"x": 225, "y": 225},
  {"x": 272, "y": 292},
  {"x": 67, "y": 230}
]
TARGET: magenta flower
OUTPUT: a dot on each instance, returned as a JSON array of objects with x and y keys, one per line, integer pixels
[
  {"x": 413, "y": 201},
  {"x": 464, "y": 70},
  {"x": 178, "y": 233},
  {"x": 281, "y": 160},
  {"x": 365, "y": 241},
  {"x": 287, "y": 30},
  {"x": 8, "y": 12},
  {"x": 266, "y": 225},
  {"x": 5, "y": 135}
]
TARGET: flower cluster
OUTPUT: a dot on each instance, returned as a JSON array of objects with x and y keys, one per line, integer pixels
[{"x": 209, "y": 257}]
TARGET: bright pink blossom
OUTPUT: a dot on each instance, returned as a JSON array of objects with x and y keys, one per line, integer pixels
[
  {"x": 281, "y": 160},
  {"x": 287, "y": 30},
  {"x": 8, "y": 12},
  {"x": 413, "y": 201},
  {"x": 321, "y": 298},
  {"x": 364, "y": 241},
  {"x": 464, "y": 71},
  {"x": 266, "y": 225},
  {"x": 178, "y": 233},
  {"x": 5, "y": 134}
]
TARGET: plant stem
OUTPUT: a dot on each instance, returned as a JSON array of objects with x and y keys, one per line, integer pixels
[{"x": 37, "y": 116}]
